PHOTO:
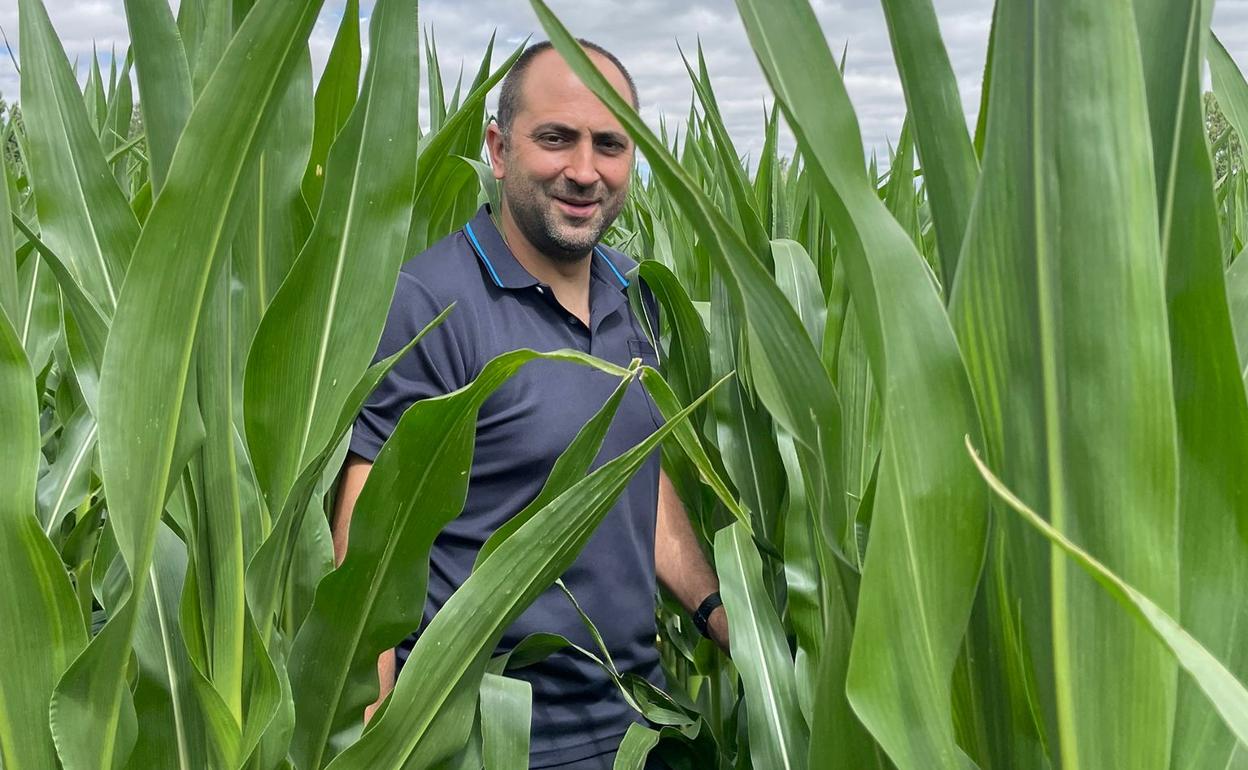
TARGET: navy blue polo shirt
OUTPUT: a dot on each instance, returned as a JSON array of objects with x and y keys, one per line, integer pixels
[{"x": 521, "y": 430}]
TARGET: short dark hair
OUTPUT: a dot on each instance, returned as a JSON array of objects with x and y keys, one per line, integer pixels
[{"x": 509, "y": 98}]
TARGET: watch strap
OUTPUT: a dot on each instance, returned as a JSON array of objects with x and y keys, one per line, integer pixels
[{"x": 703, "y": 613}]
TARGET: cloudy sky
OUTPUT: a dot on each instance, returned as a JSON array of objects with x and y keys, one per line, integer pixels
[{"x": 645, "y": 34}]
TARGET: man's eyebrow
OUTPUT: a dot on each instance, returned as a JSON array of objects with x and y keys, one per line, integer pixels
[
  {"x": 617, "y": 136},
  {"x": 558, "y": 128}
]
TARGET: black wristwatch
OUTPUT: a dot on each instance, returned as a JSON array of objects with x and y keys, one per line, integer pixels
[{"x": 703, "y": 613}]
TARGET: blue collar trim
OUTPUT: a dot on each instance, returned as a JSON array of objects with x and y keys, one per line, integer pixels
[
  {"x": 481, "y": 253},
  {"x": 601, "y": 253}
]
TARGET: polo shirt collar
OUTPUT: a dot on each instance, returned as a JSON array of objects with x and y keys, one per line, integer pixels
[{"x": 506, "y": 271}]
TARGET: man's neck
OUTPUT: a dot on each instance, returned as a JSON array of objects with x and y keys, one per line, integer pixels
[{"x": 569, "y": 280}]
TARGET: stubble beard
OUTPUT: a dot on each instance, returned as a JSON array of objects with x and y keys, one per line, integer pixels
[{"x": 533, "y": 208}]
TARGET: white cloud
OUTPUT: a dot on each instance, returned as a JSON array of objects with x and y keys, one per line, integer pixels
[{"x": 645, "y": 34}]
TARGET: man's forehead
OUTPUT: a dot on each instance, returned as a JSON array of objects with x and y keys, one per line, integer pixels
[{"x": 549, "y": 81}]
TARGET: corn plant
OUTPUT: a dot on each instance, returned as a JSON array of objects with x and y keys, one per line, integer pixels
[
  {"x": 188, "y": 326},
  {"x": 968, "y": 466},
  {"x": 1048, "y": 311}
]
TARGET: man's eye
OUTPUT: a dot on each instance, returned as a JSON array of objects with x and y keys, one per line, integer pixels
[
  {"x": 551, "y": 139},
  {"x": 611, "y": 145}
]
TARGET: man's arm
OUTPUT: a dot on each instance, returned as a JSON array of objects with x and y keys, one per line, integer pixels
[
  {"x": 350, "y": 482},
  {"x": 679, "y": 562}
]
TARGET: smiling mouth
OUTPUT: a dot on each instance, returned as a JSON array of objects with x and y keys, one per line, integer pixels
[{"x": 575, "y": 208}]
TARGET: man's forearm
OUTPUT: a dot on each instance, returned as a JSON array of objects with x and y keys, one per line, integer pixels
[
  {"x": 351, "y": 482},
  {"x": 679, "y": 563}
]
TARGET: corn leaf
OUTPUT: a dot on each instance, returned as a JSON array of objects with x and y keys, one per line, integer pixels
[
  {"x": 950, "y": 168},
  {"x": 65, "y": 484},
  {"x": 1210, "y": 401},
  {"x": 164, "y": 81},
  {"x": 82, "y": 213},
  {"x": 139, "y": 426},
  {"x": 635, "y": 747},
  {"x": 268, "y": 569},
  {"x": 173, "y": 734},
  {"x": 336, "y": 94},
  {"x": 1074, "y": 390},
  {"x": 506, "y": 709},
  {"x": 1224, "y": 692},
  {"x": 1229, "y": 86},
  {"x": 396, "y": 519},
  {"x": 914, "y": 578},
  {"x": 571, "y": 466},
  {"x": 37, "y": 607},
  {"x": 317, "y": 332},
  {"x": 8, "y": 251},
  {"x": 778, "y": 735},
  {"x": 425, "y": 720}
]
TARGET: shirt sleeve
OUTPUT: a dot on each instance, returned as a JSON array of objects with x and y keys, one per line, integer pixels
[{"x": 434, "y": 366}]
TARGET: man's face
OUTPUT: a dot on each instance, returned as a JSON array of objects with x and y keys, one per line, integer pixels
[{"x": 566, "y": 161}]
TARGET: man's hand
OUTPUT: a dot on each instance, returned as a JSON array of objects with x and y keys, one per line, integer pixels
[{"x": 680, "y": 564}]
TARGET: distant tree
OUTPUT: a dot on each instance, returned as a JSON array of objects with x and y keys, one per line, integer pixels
[{"x": 1228, "y": 154}]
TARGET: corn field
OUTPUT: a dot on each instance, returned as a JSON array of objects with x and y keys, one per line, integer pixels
[{"x": 965, "y": 438}]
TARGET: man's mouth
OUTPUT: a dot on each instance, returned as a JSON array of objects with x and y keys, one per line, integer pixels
[{"x": 577, "y": 207}]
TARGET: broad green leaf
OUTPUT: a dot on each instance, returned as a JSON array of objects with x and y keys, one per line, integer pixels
[
  {"x": 1237, "y": 297},
  {"x": 395, "y": 521},
  {"x": 1229, "y": 86},
  {"x": 173, "y": 734},
  {"x": 1210, "y": 402},
  {"x": 82, "y": 213},
  {"x": 217, "y": 543},
  {"x": 506, "y": 708},
  {"x": 689, "y": 444},
  {"x": 441, "y": 678},
  {"x": 744, "y": 432},
  {"x": 213, "y": 30},
  {"x": 779, "y": 736},
  {"x": 443, "y": 184},
  {"x": 164, "y": 81},
  {"x": 64, "y": 486},
  {"x": 275, "y": 222},
  {"x": 90, "y": 322},
  {"x": 1224, "y": 692},
  {"x": 928, "y": 525},
  {"x": 37, "y": 324},
  {"x": 336, "y": 93},
  {"x": 862, "y": 418},
  {"x": 268, "y": 568},
  {"x": 798, "y": 278},
  {"x": 635, "y": 747},
  {"x": 8, "y": 251},
  {"x": 323, "y": 324},
  {"x": 491, "y": 191},
  {"x": 1075, "y": 391},
  {"x": 743, "y": 209},
  {"x": 139, "y": 425},
  {"x": 803, "y": 400},
  {"x": 950, "y": 168},
  {"x": 686, "y": 364},
  {"x": 117, "y": 124},
  {"x": 93, "y": 94},
  {"x": 37, "y": 606},
  {"x": 900, "y": 195},
  {"x": 570, "y": 467}
]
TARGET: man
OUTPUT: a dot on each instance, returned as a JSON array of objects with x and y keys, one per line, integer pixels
[{"x": 539, "y": 279}]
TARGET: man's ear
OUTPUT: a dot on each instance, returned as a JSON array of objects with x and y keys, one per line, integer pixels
[{"x": 496, "y": 142}]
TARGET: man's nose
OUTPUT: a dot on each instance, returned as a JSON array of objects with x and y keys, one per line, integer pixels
[{"x": 580, "y": 168}]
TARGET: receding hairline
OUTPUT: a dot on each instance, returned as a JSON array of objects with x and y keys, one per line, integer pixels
[{"x": 511, "y": 97}]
